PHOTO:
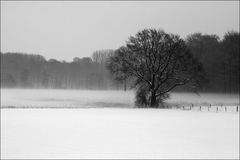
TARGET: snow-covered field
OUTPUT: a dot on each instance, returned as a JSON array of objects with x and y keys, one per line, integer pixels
[
  {"x": 118, "y": 133},
  {"x": 107, "y": 126}
]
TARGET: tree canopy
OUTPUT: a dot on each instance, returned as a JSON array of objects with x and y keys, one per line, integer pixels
[{"x": 157, "y": 61}]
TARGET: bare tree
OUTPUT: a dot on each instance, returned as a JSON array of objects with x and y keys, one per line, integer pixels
[
  {"x": 158, "y": 61},
  {"x": 100, "y": 56},
  {"x": 230, "y": 46}
]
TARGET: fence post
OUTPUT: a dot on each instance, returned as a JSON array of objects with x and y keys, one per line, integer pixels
[
  {"x": 200, "y": 108},
  {"x": 237, "y": 108},
  {"x": 209, "y": 107},
  {"x": 225, "y": 108},
  {"x": 217, "y": 109}
]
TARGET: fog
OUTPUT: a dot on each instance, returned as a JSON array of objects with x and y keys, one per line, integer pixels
[{"x": 100, "y": 99}]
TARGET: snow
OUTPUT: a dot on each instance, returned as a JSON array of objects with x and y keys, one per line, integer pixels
[
  {"x": 106, "y": 125},
  {"x": 118, "y": 133}
]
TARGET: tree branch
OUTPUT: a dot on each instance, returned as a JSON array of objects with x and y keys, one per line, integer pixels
[{"x": 169, "y": 89}]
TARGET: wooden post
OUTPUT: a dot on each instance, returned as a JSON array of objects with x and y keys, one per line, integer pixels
[
  {"x": 200, "y": 108},
  {"x": 209, "y": 107},
  {"x": 237, "y": 108},
  {"x": 225, "y": 108},
  {"x": 217, "y": 109}
]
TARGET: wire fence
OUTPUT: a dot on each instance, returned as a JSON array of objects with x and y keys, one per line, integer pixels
[{"x": 208, "y": 108}]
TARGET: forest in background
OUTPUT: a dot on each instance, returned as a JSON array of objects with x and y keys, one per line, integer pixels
[
  {"x": 34, "y": 71},
  {"x": 220, "y": 59}
]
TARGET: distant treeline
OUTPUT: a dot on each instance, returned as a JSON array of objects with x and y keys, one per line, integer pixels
[
  {"x": 220, "y": 59},
  {"x": 34, "y": 71}
]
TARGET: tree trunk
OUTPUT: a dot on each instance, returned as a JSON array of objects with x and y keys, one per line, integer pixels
[
  {"x": 125, "y": 85},
  {"x": 153, "y": 103}
]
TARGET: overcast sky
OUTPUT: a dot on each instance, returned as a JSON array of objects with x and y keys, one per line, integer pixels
[{"x": 63, "y": 30}]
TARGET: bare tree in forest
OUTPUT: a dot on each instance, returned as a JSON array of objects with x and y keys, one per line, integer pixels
[
  {"x": 100, "y": 56},
  {"x": 220, "y": 59},
  {"x": 157, "y": 62},
  {"x": 25, "y": 78},
  {"x": 230, "y": 46},
  {"x": 206, "y": 49}
]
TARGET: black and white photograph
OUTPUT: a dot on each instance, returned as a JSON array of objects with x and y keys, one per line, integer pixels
[{"x": 119, "y": 79}]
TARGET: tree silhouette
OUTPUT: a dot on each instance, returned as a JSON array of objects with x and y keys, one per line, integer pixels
[{"x": 158, "y": 62}]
